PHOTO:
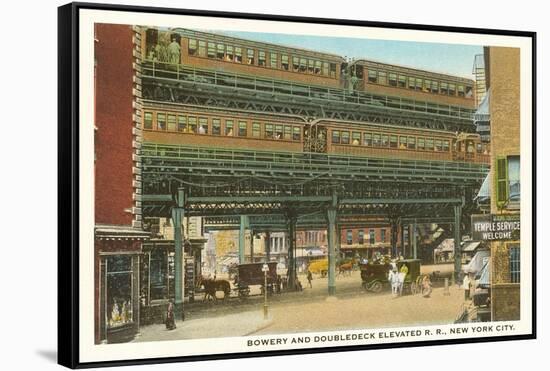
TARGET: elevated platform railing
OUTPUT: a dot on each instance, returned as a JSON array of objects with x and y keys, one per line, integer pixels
[
  {"x": 199, "y": 76},
  {"x": 301, "y": 164}
]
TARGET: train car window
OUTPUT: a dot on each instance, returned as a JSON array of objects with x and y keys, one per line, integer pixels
[
  {"x": 438, "y": 145},
  {"x": 429, "y": 144},
  {"x": 452, "y": 89},
  {"x": 229, "y": 55},
  {"x": 261, "y": 58},
  {"x": 148, "y": 120},
  {"x": 220, "y": 51},
  {"x": 335, "y": 136},
  {"x": 250, "y": 56},
  {"x": 402, "y": 81},
  {"x": 469, "y": 91},
  {"x": 296, "y": 133},
  {"x": 171, "y": 122},
  {"x": 269, "y": 131},
  {"x": 355, "y": 138},
  {"x": 384, "y": 140},
  {"x": 382, "y": 78},
  {"x": 411, "y": 143},
  {"x": 427, "y": 86},
  {"x": 392, "y": 80},
  {"x": 216, "y": 127},
  {"x": 402, "y": 142},
  {"x": 273, "y": 59},
  {"x": 192, "y": 49},
  {"x": 242, "y": 128},
  {"x": 444, "y": 88},
  {"x": 278, "y": 131},
  {"x": 161, "y": 121},
  {"x": 367, "y": 137},
  {"x": 373, "y": 76},
  {"x": 203, "y": 125},
  {"x": 461, "y": 90},
  {"x": 202, "y": 48},
  {"x": 418, "y": 84},
  {"x": 295, "y": 64},
  {"x": 256, "y": 129},
  {"x": 288, "y": 132},
  {"x": 325, "y": 68},
  {"x": 303, "y": 65},
  {"x": 211, "y": 50},
  {"x": 345, "y": 137},
  {"x": 359, "y": 71},
  {"x": 435, "y": 87},
  {"x": 446, "y": 146},
  {"x": 333, "y": 70},
  {"x": 229, "y": 128},
  {"x": 284, "y": 62},
  {"x": 421, "y": 144},
  {"x": 310, "y": 66},
  {"x": 393, "y": 141},
  {"x": 238, "y": 55},
  {"x": 192, "y": 124},
  {"x": 376, "y": 140},
  {"x": 411, "y": 83},
  {"x": 182, "y": 123},
  {"x": 318, "y": 67}
]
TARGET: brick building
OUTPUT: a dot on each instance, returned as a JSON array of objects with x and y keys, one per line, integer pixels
[
  {"x": 118, "y": 233},
  {"x": 503, "y": 82}
]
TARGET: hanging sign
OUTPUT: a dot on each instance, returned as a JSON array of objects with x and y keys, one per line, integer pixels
[{"x": 490, "y": 227}]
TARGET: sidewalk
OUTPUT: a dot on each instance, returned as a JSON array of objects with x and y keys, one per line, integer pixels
[{"x": 237, "y": 324}]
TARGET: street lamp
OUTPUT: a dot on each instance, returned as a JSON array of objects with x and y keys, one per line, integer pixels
[{"x": 265, "y": 269}]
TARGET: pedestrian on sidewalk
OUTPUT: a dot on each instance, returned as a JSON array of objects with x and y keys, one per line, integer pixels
[
  {"x": 309, "y": 278},
  {"x": 466, "y": 286},
  {"x": 170, "y": 318}
]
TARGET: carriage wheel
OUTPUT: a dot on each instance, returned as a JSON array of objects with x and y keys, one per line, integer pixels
[{"x": 376, "y": 287}]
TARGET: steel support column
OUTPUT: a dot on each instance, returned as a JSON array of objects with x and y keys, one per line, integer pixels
[
  {"x": 267, "y": 244},
  {"x": 393, "y": 237},
  {"x": 291, "y": 252},
  {"x": 402, "y": 252},
  {"x": 242, "y": 237},
  {"x": 331, "y": 231},
  {"x": 415, "y": 240},
  {"x": 457, "y": 238},
  {"x": 410, "y": 241},
  {"x": 177, "y": 218}
]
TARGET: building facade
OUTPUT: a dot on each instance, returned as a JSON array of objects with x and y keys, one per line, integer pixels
[
  {"x": 118, "y": 231},
  {"x": 503, "y": 77}
]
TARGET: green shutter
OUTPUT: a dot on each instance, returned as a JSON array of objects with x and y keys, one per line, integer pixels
[{"x": 501, "y": 180}]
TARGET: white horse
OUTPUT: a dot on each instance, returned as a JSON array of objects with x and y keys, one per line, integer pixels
[{"x": 393, "y": 278}]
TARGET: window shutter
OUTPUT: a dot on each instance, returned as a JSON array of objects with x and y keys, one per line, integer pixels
[{"x": 501, "y": 177}]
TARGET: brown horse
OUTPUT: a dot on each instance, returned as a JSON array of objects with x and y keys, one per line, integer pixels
[
  {"x": 213, "y": 285},
  {"x": 345, "y": 268}
]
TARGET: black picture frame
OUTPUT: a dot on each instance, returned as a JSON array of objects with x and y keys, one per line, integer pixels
[{"x": 69, "y": 170}]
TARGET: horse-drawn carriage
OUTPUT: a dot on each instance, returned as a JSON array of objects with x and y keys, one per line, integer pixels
[
  {"x": 250, "y": 274},
  {"x": 374, "y": 275}
]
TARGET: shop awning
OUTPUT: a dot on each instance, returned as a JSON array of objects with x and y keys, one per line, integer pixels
[
  {"x": 484, "y": 280},
  {"x": 484, "y": 194},
  {"x": 447, "y": 245},
  {"x": 470, "y": 246},
  {"x": 477, "y": 262}
]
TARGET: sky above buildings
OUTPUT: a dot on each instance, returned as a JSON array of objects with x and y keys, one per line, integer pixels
[{"x": 451, "y": 59}]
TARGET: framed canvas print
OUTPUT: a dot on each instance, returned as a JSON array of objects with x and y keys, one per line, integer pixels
[{"x": 237, "y": 185}]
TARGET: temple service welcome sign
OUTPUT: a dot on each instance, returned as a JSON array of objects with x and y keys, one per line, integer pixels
[{"x": 489, "y": 227}]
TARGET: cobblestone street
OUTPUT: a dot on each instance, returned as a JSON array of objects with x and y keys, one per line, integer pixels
[{"x": 312, "y": 310}]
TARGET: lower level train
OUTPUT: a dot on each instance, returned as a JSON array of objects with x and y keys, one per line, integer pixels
[{"x": 238, "y": 130}]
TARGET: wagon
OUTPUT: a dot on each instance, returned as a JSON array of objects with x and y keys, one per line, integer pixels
[
  {"x": 250, "y": 274},
  {"x": 374, "y": 276}
]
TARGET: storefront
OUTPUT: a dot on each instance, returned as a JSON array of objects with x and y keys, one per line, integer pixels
[{"x": 117, "y": 284}]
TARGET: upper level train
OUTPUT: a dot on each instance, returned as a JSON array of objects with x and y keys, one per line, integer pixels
[
  {"x": 233, "y": 129},
  {"x": 212, "y": 51}
]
